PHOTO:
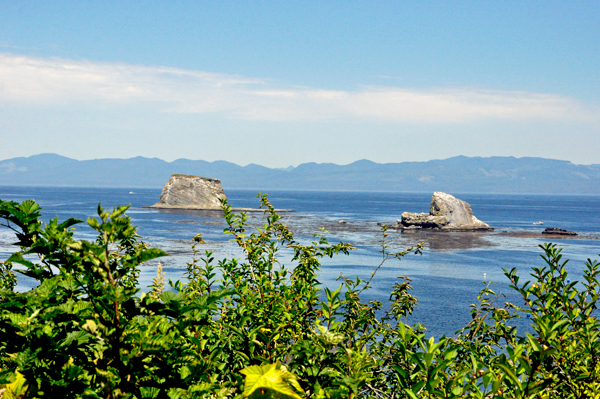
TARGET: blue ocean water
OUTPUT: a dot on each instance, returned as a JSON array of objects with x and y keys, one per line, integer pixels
[{"x": 445, "y": 279}]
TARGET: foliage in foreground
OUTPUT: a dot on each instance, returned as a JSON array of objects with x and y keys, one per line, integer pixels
[{"x": 263, "y": 330}]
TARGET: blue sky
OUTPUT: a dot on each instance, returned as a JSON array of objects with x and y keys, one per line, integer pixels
[{"x": 280, "y": 83}]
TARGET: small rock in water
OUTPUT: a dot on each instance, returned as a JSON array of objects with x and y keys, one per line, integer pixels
[
  {"x": 557, "y": 231},
  {"x": 342, "y": 222}
]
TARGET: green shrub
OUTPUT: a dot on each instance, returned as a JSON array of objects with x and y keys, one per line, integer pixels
[{"x": 268, "y": 330}]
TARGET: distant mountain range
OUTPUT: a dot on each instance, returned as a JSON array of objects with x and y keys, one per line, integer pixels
[{"x": 454, "y": 175}]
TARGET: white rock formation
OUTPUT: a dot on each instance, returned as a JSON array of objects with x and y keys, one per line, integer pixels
[
  {"x": 446, "y": 213},
  {"x": 191, "y": 192}
]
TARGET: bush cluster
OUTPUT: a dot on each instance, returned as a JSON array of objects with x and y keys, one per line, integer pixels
[{"x": 252, "y": 327}]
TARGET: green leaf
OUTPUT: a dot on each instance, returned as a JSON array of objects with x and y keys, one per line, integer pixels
[
  {"x": 15, "y": 389},
  {"x": 270, "y": 377},
  {"x": 509, "y": 372}
]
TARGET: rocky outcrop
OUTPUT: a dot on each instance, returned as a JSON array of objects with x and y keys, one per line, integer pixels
[
  {"x": 446, "y": 213},
  {"x": 558, "y": 232},
  {"x": 191, "y": 192}
]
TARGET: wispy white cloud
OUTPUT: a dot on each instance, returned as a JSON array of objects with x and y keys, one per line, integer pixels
[
  {"x": 6, "y": 44},
  {"x": 30, "y": 80}
]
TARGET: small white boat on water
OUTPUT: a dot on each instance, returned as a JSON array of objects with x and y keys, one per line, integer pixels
[{"x": 537, "y": 223}]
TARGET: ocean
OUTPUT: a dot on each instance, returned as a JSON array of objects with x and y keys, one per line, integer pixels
[{"x": 446, "y": 278}]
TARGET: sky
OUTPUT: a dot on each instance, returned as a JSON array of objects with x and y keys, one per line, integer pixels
[{"x": 283, "y": 83}]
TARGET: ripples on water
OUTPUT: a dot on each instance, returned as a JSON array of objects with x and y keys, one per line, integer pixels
[{"x": 446, "y": 278}]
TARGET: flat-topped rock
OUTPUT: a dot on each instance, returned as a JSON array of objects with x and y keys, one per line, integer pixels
[
  {"x": 191, "y": 192},
  {"x": 196, "y": 193},
  {"x": 445, "y": 213},
  {"x": 559, "y": 232}
]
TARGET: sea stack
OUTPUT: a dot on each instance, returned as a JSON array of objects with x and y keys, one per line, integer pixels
[
  {"x": 446, "y": 213},
  {"x": 191, "y": 192}
]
